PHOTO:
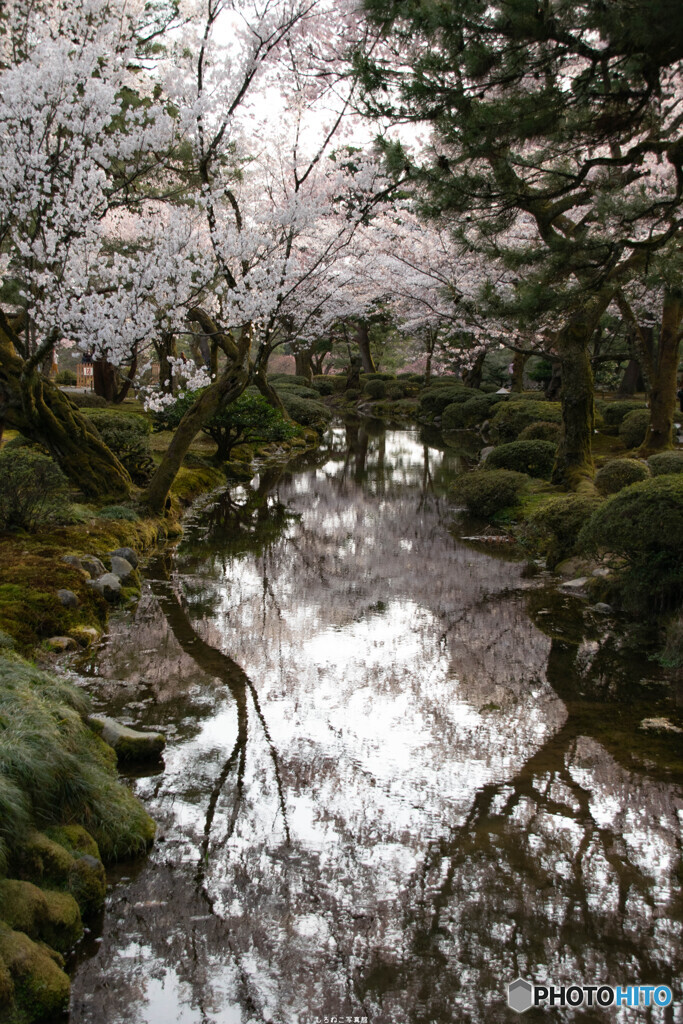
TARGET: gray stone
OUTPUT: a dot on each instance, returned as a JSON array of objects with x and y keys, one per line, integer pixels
[
  {"x": 122, "y": 568},
  {"x": 659, "y": 725},
  {"x": 68, "y": 598},
  {"x": 601, "y": 572},
  {"x": 129, "y": 744},
  {"x": 576, "y": 587},
  {"x": 485, "y": 452},
  {"x": 108, "y": 585},
  {"x": 61, "y": 643},
  {"x": 93, "y": 566},
  {"x": 602, "y": 608},
  {"x": 126, "y": 553},
  {"x": 75, "y": 561}
]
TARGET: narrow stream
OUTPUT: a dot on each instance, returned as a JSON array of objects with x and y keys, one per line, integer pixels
[{"x": 400, "y": 773}]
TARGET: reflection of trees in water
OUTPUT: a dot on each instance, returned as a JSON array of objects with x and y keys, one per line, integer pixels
[{"x": 419, "y": 821}]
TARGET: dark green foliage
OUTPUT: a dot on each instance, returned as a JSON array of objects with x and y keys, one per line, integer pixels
[
  {"x": 329, "y": 384},
  {"x": 375, "y": 388},
  {"x": 53, "y": 769},
  {"x": 533, "y": 457},
  {"x": 352, "y": 395},
  {"x": 119, "y": 512},
  {"x": 288, "y": 380},
  {"x": 619, "y": 473},
  {"x": 249, "y": 418},
  {"x": 541, "y": 370},
  {"x": 460, "y": 415},
  {"x": 87, "y": 400},
  {"x": 666, "y": 462},
  {"x": 614, "y": 412},
  {"x": 434, "y": 399},
  {"x": 633, "y": 429},
  {"x": 126, "y": 434},
  {"x": 308, "y": 413},
  {"x": 32, "y": 489},
  {"x": 541, "y": 430},
  {"x": 553, "y": 530},
  {"x": 672, "y": 653},
  {"x": 510, "y": 418},
  {"x": 486, "y": 492},
  {"x": 643, "y": 525},
  {"x": 66, "y": 378},
  {"x": 395, "y": 392},
  {"x": 307, "y": 393}
]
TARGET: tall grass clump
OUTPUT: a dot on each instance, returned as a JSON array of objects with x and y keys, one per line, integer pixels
[{"x": 54, "y": 770}]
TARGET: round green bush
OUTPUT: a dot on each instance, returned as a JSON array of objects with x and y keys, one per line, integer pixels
[
  {"x": 307, "y": 393},
  {"x": 533, "y": 457},
  {"x": 553, "y": 530},
  {"x": 352, "y": 395},
  {"x": 619, "y": 473},
  {"x": 511, "y": 417},
  {"x": 434, "y": 399},
  {"x": 395, "y": 392},
  {"x": 542, "y": 430},
  {"x": 633, "y": 429},
  {"x": 666, "y": 462},
  {"x": 643, "y": 525},
  {"x": 32, "y": 489},
  {"x": 307, "y": 412},
  {"x": 375, "y": 388},
  {"x": 486, "y": 492},
  {"x": 328, "y": 385},
  {"x": 460, "y": 415},
  {"x": 614, "y": 412},
  {"x": 126, "y": 434}
]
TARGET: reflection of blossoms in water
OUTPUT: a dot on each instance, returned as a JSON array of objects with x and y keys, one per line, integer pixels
[{"x": 380, "y": 806}]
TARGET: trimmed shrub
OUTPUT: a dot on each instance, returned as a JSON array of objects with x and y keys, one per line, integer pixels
[
  {"x": 511, "y": 417},
  {"x": 533, "y": 457},
  {"x": 33, "y": 489},
  {"x": 633, "y": 429},
  {"x": 126, "y": 434},
  {"x": 288, "y": 380},
  {"x": 542, "y": 430},
  {"x": 434, "y": 399},
  {"x": 395, "y": 392},
  {"x": 460, "y": 415},
  {"x": 87, "y": 400},
  {"x": 619, "y": 473},
  {"x": 614, "y": 412},
  {"x": 329, "y": 384},
  {"x": 553, "y": 530},
  {"x": 666, "y": 462},
  {"x": 643, "y": 524},
  {"x": 352, "y": 395},
  {"x": 67, "y": 378},
  {"x": 308, "y": 413},
  {"x": 307, "y": 393},
  {"x": 487, "y": 492},
  {"x": 375, "y": 388}
]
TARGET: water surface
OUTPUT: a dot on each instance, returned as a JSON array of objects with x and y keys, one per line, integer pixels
[{"x": 400, "y": 772}]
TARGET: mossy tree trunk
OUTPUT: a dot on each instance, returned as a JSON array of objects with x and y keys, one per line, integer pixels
[
  {"x": 302, "y": 364},
  {"x": 518, "y": 364},
  {"x": 41, "y": 412},
  {"x": 269, "y": 393},
  {"x": 574, "y": 459},
  {"x": 663, "y": 386}
]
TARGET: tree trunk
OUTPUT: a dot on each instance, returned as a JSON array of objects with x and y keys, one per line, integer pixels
[
  {"x": 574, "y": 459},
  {"x": 518, "y": 364},
  {"x": 428, "y": 367},
  {"x": 302, "y": 364},
  {"x": 554, "y": 385},
  {"x": 632, "y": 380},
  {"x": 105, "y": 382},
  {"x": 268, "y": 392},
  {"x": 662, "y": 392},
  {"x": 226, "y": 389},
  {"x": 43, "y": 413},
  {"x": 472, "y": 377},
  {"x": 363, "y": 341},
  {"x": 165, "y": 348}
]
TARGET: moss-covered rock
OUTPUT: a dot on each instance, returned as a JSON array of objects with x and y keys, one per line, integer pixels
[
  {"x": 533, "y": 457},
  {"x": 619, "y": 473},
  {"x": 88, "y": 884},
  {"x": 39, "y": 990},
  {"x": 43, "y": 914},
  {"x": 633, "y": 429},
  {"x": 46, "y": 862},
  {"x": 75, "y": 839},
  {"x": 129, "y": 744},
  {"x": 487, "y": 492}
]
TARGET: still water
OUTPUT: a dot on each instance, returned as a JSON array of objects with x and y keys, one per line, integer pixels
[{"x": 400, "y": 771}]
